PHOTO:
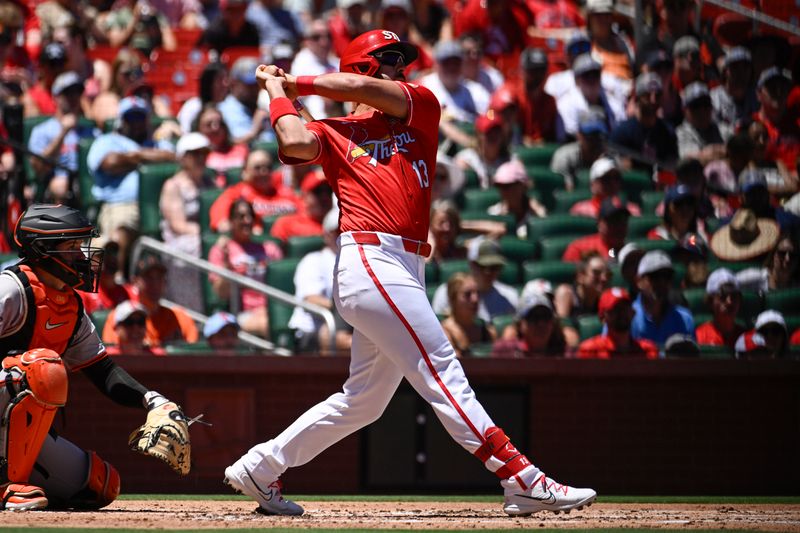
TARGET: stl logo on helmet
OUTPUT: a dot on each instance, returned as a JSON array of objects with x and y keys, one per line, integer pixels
[{"x": 390, "y": 35}]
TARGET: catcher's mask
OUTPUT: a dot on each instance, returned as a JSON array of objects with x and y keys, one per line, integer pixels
[
  {"x": 366, "y": 52},
  {"x": 41, "y": 233}
]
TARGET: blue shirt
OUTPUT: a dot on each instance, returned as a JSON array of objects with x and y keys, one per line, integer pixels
[
  {"x": 275, "y": 25},
  {"x": 676, "y": 319},
  {"x": 116, "y": 188},
  {"x": 44, "y": 134},
  {"x": 239, "y": 119}
]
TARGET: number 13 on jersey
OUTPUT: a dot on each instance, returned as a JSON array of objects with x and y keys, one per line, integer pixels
[{"x": 421, "y": 168}]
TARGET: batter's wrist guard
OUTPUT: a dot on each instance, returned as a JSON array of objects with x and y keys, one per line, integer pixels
[
  {"x": 280, "y": 107},
  {"x": 305, "y": 85}
]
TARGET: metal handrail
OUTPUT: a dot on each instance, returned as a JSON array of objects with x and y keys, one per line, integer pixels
[
  {"x": 238, "y": 279},
  {"x": 750, "y": 13}
]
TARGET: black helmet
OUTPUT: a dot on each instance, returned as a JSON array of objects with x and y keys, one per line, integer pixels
[{"x": 41, "y": 228}]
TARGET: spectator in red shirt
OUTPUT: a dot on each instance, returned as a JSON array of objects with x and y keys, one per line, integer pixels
[
  {"x": 504, "y": 25},
  {"x": 538, "y": 116},
  {"x": 612, "y": 231},
  {"x": 259, "y": 189},
  {"x": 616, "y": 312},
  {"x": 795, "y": 340},
  {"x": 783, "y": 124},
  {"x": 724, "y": 299},
  {"x": 38, "y": 100},
  {"x": 539, "y": 332},
  {"x": 556, "y": 14},
  {"x": 346, "y": 23},
  {"x": 317, "y": 201},
  {"x": 605, "y": 181}
]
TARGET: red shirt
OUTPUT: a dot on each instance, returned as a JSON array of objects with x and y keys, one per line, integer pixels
[
  {"x": 591, "y": 208},
  {"x": 105, "y": 298},
  {"x": 784, "y": 137},
  {"x": 708, "y": 334},
  {"x": 296, "y": 225},
  {"x": 538, "y": 115},
  {"x": 381, "y": 167},
  {"x": 43, "y": 99},
  {"x": 557, "y": 14},
  {"x": 603, "y": 347},
  {"x": 795, "y": 337},
  {"x": 583, "y": 246},
  {"x": 282, "y": 202}
]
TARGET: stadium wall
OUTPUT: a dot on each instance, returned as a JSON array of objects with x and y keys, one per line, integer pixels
[{"x": 680, "y": 427}]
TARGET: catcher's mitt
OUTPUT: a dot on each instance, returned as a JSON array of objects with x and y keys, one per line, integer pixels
[{"x": 165, "y": 435}]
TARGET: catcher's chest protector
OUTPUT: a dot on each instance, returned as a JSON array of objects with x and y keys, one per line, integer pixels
[{"x": 52, "y": 319}]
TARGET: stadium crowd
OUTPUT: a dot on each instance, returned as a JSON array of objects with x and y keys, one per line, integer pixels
[{"x": 601, "y": 190}]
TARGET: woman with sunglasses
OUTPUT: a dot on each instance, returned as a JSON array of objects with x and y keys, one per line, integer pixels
[
  {"x": 380, "y": 161},
  {"x": 680, "y": 216},
  {"x": 463, "y": 327}
]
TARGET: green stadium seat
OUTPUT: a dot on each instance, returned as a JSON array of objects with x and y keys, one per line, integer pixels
[
  {"x": 589, "y": 326},
  {"x": 733, "y": 266},
  {"x": 650, "y": 200},
  {"x": 271, "y": 147},
  {"x": 89, "y": 204},
  {"x": 28, "y": 124},
  {"x": 792, "y": 322},
  {"x": 639, "y": 226},
  {"x": 517, "y": 250},
  {"x": 712, "y": 225},
  {"x": 151, "y": 180},
  {"x": 430, "y": 290},
  {"x": 233, "y": 176},
  {"x": 207, "y": 198},
  {"x": 545, "y": 183},
  {"x": 634, "y": 182},
  {"x": 559, "y": 225},
  {"x": 300, "y": 246},
  {"x": 564, "y": 200},
  {"x": 654, "y": 244},
  {"x": 280, "y": 274},
  {"x": 508, "y": 220},
  {"x": 99, "y": 318},
  {"x": 787, "y": 301},
  {"x": 509, "y": 275},
  {"x": 431, "y": 273},
  {"x": 501, "y": 322},
  {"x": 582, "y": 180},
  {"x": 695, "y": 300},
  {"x": 552, "y": 248},
  {"x": 480, "y": 199},
  {"x": 471, "y": 179},
  {"x": 715, "y": 352},
  {"x": 556, "y": 272},
  {"x": 211, "y": 302},
  {"x": 480, "y": 350},
  {"x": 268, "y": 221},
  {"x": 537, "y": 155}
]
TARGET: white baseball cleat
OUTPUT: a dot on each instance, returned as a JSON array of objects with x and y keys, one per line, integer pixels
[
  {"x": 21, "y": 497},
  {"x": 268, "y": 496},
  {"x": 544, "y": 495}
]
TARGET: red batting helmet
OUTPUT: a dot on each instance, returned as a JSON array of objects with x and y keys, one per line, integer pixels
[{"x": 358, "y": 56}]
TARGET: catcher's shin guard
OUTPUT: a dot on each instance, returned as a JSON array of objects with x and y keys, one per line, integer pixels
[
  {"x": 103, "y": 483},
  {"x": 500, "y": 456},
  {"x": 40, "y": 381}
]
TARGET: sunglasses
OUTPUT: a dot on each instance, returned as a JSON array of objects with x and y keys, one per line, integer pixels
[
  {"x": 390, "y": 58},
  {"x": 319, "y": 36}
]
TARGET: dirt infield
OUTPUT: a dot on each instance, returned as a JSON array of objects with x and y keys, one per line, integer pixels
[{"x": 201, "y": 514}]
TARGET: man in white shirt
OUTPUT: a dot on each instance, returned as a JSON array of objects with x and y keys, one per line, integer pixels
[
  {"x": 314, "y": 58},
  {"x": 462, "y": 100},
  {"x": 588, "y": 91}
]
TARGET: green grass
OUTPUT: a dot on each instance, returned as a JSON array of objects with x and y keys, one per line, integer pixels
[{"x": 774, "y": 500}]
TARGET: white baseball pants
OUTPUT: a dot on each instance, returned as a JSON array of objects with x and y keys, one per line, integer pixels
[{"x": 380, "y": 291}]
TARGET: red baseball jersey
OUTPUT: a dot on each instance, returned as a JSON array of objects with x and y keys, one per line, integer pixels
[{"x": 381, "y": 168}]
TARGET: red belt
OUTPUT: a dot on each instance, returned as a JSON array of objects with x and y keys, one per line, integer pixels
[{"x": 409, "y": 245}]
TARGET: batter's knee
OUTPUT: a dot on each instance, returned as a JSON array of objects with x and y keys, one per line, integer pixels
[{"x": 102, "y": 485}]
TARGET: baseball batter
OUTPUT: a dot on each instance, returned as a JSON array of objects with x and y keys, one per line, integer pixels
[
  {"x": 380, "y": 161},
  {"x": 44, "y": 332}
]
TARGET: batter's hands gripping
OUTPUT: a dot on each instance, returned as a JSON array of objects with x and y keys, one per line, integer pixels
[{"x": 165, "y": 436}]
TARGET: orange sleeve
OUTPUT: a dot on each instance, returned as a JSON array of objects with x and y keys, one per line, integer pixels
[
  {"x": 187, "y": 325},
  {"x": 109, "y": 334}
]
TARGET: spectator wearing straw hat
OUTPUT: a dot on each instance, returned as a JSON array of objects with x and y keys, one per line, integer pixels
[
  {"x": 724, "y": 299},
  {"x": 746, "y": 238},
  {"x": 616, "y": 312},
  {"x": 656, "y": 318}
]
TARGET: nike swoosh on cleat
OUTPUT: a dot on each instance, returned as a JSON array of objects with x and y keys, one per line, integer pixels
[
  {"x": 267, "y": 495},
  {"x": 549, "y": 500}
]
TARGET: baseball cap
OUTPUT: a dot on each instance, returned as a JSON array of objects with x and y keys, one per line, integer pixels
[
  {"x": 658, "y": 58},
  {"x": 693, "y": 244},
  {"x": 774, "y": 73},
  {"x": 695, "y": 93},
  {"x": 131, "y": 105},
  {"x": 737, "y": 54},
  {"x": 533, "y": 58},
  {"x": 611, "y": 298},
  {"x": 584, "y": 64},
  {"x": 599, "y": 6},
  {"x": 53, "y": 54},
  {"x": 344, "y": 4},
  {"x": 537, "y": 286},
  {"x": 750, "y": 179},
  {"x": 486, "y": 253},
  {"x": 447, "y": 50},
  {"x": 401, "y": 4},
  {"x": 601, "y": 167},
  {"x": 685, "y": 45},
  {"x": 66, "y": 80},
  {"x": 510, "y": 172},
  {"x": 653, "y": 261},
  {"x": 648, "y": 82},
  {"x": 191, "y": 142},
  {"x": 244, "y": 70},
  {"x": 488, "y": 121},
  {"x": 629, "y": 251},
  {"x": 331, "y": 220},
  {"x": 578, "y": 43},
  {"x": 312, "y": 180},
  {"x": 748, "y": 342},
  {"x": 149, "y": 262},
  {"x": 718, "y": 278},
  {"x": 217, "y": 321},
  {"x": 531, "y": 302},
  {"x": 593, "y": 121},
  {"x": 126, "y": 309},
  {"x": 770, "y": 316},
  {"x": 502, "y": 98},
  {"x": 681, "y": 345},
  {"x": 676, "y": 193},
  {"x": 612, "y": 206}
]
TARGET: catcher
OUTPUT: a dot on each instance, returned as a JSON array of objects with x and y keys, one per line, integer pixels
[{"x": 44, "y": 332}]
